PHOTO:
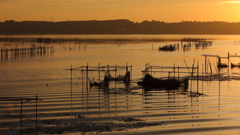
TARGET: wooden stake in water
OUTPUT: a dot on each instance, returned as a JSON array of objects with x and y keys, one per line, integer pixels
[
  {"x": 197, "y": 74},
  {"x": 115, "y": 77},
  {"x": 205, "y": 63},
  {"x": 82, "y": 80},
  {"x": 210, "y": 66},
  {"x": 192, "y": 74},
  {"x": 87, "y": 76},
  {"x": 21, "y": 115},
  {"x": 178, "y": 73},
  {"x": 99, "y": 72},
  {"x": 36, "y": 111},
  {"x": 71, "y": 80},
  {"x": 202, "y": 78},
  {"x": 187, "y": 66}
]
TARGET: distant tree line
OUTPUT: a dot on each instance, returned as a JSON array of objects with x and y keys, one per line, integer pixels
[{"x": 118, "y": 27}]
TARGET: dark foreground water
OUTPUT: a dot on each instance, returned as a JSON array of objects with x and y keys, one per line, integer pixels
[{"x": 76, "y": 108}]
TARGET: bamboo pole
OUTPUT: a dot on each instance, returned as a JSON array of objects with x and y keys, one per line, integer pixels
[
  {"x": 202, "y": 78},
  {"x": 131, "y": 73},
  {"x": 192, "y": 73},
  {"x": 187, "y": 66},
  {"x": 205, "y": 63},
  {"x": 228, "y": 60},
  {"x": 197, "y": 74},
  {"x": 215, "y": 67},
  {"x": 178, "y": 73},
  {"x": 87, "y": 76},
  {"x": 210, "y": 66},
  {"x": 115, "y": 71},
  {"x": 71, "y": 81},
  {"x": 82, "y": 81},
  {"x": 115, "y": 78},
  {"x": 21, "y": 115},
  {"x": 99, "y": 72},
  {"x": 174, "y": 71},
  {"x": 36, "y": 111}
]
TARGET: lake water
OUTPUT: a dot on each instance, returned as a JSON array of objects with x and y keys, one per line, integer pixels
[{"x": 76, "y": 108}]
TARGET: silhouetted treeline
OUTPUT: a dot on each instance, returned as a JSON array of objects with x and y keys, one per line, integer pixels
[{"x": 118, "y": 27}]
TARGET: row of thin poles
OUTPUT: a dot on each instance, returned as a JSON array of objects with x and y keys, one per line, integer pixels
[{"x": 32, "y": 51}]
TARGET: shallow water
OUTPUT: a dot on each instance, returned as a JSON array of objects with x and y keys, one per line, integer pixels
[{"x": 63, "y": 105}]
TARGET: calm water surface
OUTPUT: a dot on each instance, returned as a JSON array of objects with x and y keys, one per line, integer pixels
[{"x": 64, "y": 105}]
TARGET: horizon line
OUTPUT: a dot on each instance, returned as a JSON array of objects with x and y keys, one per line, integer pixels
[{"x": 113, "y": 20}]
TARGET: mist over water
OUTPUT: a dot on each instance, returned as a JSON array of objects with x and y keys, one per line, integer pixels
[{"x": 123, "y": 110}]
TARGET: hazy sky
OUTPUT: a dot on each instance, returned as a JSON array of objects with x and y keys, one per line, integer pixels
[{"x": 134, "y": 10}]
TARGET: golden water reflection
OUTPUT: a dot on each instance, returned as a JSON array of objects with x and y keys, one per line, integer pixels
[{"x": 180, "y": 110}]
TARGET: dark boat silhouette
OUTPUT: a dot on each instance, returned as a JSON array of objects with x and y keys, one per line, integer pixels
[
  {"x": 169, "y": 83},
  {"x": 235, "y": 65},
  {"x": 220, "y": 64}
]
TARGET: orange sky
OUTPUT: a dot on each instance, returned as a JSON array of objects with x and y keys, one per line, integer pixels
[{"x": 134, "y": 10}]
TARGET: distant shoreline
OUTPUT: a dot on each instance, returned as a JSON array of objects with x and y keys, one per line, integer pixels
[{"x": 117, "y": 27}]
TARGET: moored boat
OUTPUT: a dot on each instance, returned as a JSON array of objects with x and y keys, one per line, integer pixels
[
  {"x": 169, "y": 83},
  {"x": 235, "y": 65},
  {"x": 220, "y": 64}
]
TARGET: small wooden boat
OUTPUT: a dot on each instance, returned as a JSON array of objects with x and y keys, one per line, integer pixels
[
  {"x": 167, "y": 48},
  {"x": 235, "y": 65},
  {"x": 150, "y": 81},
  {"x": 222, "y": 65}
]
